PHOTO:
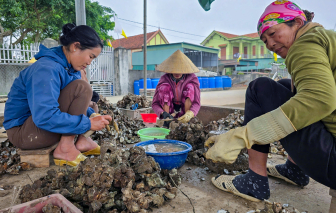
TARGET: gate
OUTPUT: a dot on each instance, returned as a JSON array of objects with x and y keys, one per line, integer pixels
[{"x": 101, "y": 73}]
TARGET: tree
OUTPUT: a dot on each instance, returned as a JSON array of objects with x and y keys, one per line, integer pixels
[{"x": 31, "y": 21}]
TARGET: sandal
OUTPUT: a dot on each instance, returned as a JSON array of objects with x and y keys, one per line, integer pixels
[
  {"x": 272, "y": 171},
  {"x": 95, "y": 151},
  {"x": 227, "y": 181},
  {"x": 75, "y": 162}
]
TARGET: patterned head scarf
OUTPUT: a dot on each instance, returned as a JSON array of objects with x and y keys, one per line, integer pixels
[{"x": 279, "y": 12}]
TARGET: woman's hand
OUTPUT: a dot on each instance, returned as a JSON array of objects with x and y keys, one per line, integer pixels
[{"x": 100, "y": 122}]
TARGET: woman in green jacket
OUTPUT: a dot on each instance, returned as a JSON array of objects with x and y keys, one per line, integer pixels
[{"x": 300, "y": 114}]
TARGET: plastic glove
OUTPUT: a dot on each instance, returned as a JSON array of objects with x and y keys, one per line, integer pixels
[
  {"x": 186, "y": 117},
  {"x": 167, "y": 115},
  {"x": 262, "y": 130}
]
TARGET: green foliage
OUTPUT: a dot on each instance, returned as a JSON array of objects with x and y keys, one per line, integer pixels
[
  {"x": 228, "y": 73},
  {"x": 31, "y": 21},
  {"x": 240, "y": 73}
]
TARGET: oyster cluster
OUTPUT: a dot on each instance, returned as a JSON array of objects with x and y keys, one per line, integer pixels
[
  {"x": 232, "y": 121},
  {"x": 119, "y": 180},
  {"x": 127, "y": 128},
  {"x": 195, "y": 133},
  {"x": 276, "y": 148},
  {"x": 129, "y": 100},
  {"x": 10, "y": 160}
]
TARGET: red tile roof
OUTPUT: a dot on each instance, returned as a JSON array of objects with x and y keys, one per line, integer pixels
[
  {"x": 228, "y": 35},
  {"x": 134, "y": 42},
  {"x": 252, "y": 35}
]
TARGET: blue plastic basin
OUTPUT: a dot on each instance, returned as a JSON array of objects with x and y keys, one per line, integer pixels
[{"x": 169, "y": 160}]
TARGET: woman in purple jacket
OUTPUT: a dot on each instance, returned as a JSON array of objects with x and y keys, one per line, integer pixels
[{"x": 177, "y": 94}]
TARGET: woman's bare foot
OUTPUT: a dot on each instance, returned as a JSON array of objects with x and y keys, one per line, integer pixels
[
  {"x": 84, "y": 144},
  {"x": 66, "y": 149}
]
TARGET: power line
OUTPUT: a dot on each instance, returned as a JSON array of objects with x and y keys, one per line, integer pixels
[
  {"x": 163, "y": 28},
  {"x": 165, "y": 33}
]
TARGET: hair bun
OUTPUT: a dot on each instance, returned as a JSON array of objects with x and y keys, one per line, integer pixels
[{"x": 67, "y": 28}]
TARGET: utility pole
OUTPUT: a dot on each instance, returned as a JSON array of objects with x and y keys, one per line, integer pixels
[
  {"x": 80, "y": 12},
  {"x": 145, "y": 47}
]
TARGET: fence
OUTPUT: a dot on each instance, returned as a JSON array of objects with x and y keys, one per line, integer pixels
[
  {"x": 17, "y": 53},
  {"x": 100, "y": 72}
]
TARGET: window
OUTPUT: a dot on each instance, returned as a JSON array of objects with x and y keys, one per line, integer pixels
[
  {"x": 223, "y": 53},
  {"x": 254, "y": 50},
  {"x": 262, "y": 50}
]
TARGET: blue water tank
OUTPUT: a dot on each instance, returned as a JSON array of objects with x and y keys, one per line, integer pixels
[
  {"x": 218, "y": 82},
  {"x": 205, "y": 82},
  {"x": 200, "y": 81},
  {"x": 227, "y": 82},
  {"x": 136, "y": 87},
  {"x": 149, "y": 83},
  {"x": 155, "y": 82},
  {"x": 141, "y": 83},
  {"x": 211, "y": 81}
]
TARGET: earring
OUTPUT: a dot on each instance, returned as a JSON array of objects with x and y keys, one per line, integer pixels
[{"x": 74, "y": 50}]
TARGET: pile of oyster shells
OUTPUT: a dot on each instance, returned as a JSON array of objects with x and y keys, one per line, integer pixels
[
  {"x": 127, "y": 128},
  {"x": 119, "y": 180},
  {"x": 129, "y": 100},
  {"x": 195, "y": 133},
  {"x": 10, "y": 160}
]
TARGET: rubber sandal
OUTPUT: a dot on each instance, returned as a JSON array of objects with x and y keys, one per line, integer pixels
[
  {"x": 75, "y": 162},
  {"x": 227, "y": 180},
  {"x": 95, "y": 151},
  {"x": 272, "y": 171}
]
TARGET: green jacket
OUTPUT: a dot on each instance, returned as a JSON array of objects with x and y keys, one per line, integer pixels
[{"x": 311, "y": 61}]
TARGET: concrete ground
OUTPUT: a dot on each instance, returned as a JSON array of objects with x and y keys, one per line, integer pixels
[{"x": 203, "y": 195}]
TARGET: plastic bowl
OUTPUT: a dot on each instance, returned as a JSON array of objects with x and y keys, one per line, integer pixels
[
  {"x": 144, "y": 134},
  {"x": 169, "y": 160},
  {"x": 149, "y": 117}
]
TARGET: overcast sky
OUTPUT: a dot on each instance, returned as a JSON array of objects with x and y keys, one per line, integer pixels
[{"x": 231, "y": 16}]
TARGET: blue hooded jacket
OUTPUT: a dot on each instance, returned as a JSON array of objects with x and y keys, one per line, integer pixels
[{"x": 36, "y": 91}]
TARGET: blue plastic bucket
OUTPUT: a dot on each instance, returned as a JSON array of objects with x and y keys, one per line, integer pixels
[
  {"x": 211, "y": 81},
  {"x": 200, "y": 81},
  {"x": 155, "y": 82},
  {"x": 168, "y": 160},
  {"x": 205, "y": 82},
  {"x": 149, "y": 83},
  {"x": 141, "y": 86},
  {"x": 218, "y": 82},
  {"x": 227, "y": 82},
  {"x": 136, "y": 88}
]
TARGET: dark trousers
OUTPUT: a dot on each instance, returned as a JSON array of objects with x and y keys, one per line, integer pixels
[
  {"x": 74, "y": 99},
  {"x": 312, "y": 148}
]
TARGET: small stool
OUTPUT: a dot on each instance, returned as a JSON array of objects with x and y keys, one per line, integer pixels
[
  {"x": 38, "y": 157},
  {"x": 332, "y": 193}
]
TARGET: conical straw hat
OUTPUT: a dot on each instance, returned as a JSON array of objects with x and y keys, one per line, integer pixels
[{"x": 177, "y": 63}]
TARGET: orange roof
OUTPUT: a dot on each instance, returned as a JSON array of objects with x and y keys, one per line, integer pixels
[
  {"x": 252, "y": 35},
  {"x": 134, "y": 42},
  {"x": 228, "y": 35}
]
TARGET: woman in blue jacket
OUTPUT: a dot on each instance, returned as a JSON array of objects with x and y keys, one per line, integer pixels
[{"x": 48, "y": 102}]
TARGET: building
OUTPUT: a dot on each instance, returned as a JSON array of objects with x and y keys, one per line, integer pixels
[
  {"x": 201, "y": 56},
  {"x": 135, "y": 43},
  {"x": 253, "y": 52}
]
